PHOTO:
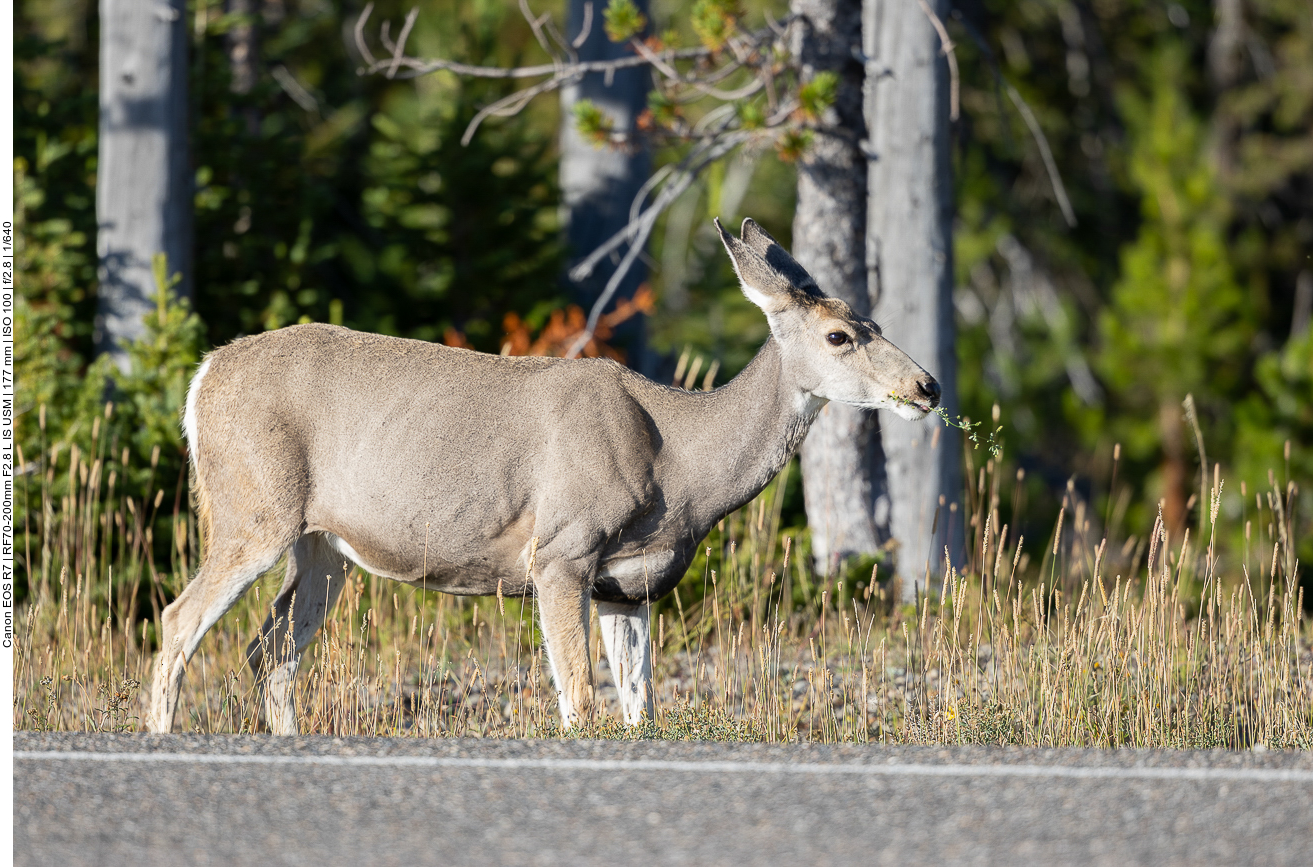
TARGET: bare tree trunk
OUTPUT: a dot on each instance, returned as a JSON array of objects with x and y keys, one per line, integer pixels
[
  {"x": 599, "y": 184},
  {"x": 1225, "y": 67},
  {"x": 1174, "y": 472},
  {"x": 143, "y": 184},
  {"x": 243, "y": 44},
  {"x": 909, "y": 254},
  {"x": 1224, "y": 49},
  {"x": 1225, "y": 64},
  {"x": 842, "y": 469}
]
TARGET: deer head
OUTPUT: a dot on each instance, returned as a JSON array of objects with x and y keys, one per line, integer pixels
[{"x": 831, "y": 351}]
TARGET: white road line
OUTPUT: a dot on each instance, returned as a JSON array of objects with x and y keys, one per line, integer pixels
[{"x": 1266, "y": 775}]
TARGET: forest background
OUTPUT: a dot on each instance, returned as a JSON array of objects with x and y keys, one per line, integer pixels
[{"x": 1183, "y": 135}]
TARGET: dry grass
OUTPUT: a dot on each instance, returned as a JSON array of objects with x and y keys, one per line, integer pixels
[{"x": 1145, "y": 642}]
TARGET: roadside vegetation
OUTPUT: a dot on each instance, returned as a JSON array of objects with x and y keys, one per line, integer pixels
[
  {"x": 1136, "y": 539},
  {"x": 1061, "y": 639}
]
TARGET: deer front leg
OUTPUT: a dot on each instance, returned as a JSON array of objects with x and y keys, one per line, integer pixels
[
  {"x": 627, "y": 634},
  {"x": 563, "y": 597}
]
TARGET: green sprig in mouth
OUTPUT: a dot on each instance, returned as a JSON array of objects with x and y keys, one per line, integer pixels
[{"x": 994, "y": 442}]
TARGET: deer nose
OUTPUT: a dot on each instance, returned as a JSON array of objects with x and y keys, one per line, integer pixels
[{"x": 930, "y": 389}]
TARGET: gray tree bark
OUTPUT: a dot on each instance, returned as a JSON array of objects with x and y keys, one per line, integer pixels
[
  {"x": 844, "y": 485},
  {"x": 143, "y": 184},
  {"x": 599, "y": 184},
  {"x": 909, "y": 249}
]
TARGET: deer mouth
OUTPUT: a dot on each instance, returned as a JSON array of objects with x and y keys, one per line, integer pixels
[
  {"x": 921, "y": 407},
  {"x": 909, "y": 408}
]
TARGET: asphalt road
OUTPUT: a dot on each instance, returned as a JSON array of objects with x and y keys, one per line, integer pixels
[{"x": 197, "y": 800}]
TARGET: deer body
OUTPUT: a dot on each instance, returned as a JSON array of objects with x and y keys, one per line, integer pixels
[
  {"x": 571, "y": 480},
  {"x": 429, "y": 486}
]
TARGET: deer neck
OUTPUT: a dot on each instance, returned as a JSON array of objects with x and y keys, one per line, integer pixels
[{"x": 738, "y": 437}]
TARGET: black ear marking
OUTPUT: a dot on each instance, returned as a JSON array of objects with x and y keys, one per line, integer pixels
[
  {"x": 782, "y": 262},
  {"x": 760, "y": 242},
  {"x": 766, "y": 270}
]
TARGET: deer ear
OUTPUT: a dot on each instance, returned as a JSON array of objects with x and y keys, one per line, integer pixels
[
  {"x": 756, "y": 237},
  {"x": 762, "y": 284},
  {"x": 777, "y": 257}
]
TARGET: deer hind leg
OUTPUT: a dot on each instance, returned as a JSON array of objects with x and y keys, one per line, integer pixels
[
  {"x": 227, "y": 573},
  {"x": 316, "y": 574},
  {"x": 563, "y": 598},
  {"x": 627, "y": 634}
]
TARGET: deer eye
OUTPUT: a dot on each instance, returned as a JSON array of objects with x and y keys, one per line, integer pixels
[{"x": 837, "y": 338}]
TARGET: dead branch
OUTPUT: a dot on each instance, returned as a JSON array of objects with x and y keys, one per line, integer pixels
[
  {"x": 638, "y": 231},
  {"x": 361, "y": 45},
  {"x": 946, "y": 49},
  {"x": 510, "y": 105},
  {"x": 536, "y": 25},
  {"x": 711, "y": 149},
  {"x": 416, "y": 66},
  {"x": 400, "y": 51},
  {"x": 1028, "y": 117},
  {"x": 753, "y": 54},
  {"x": 586, "y": 28},
  {"x": 1045, "y": 153}
]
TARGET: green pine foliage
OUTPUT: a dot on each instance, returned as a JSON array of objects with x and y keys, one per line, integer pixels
[
  {"x": 1274, "y": 430},
  {"x": 623, "y": 20},
  {"x": 1279, "y": 411},
  {"x": 355, "y": 202},
  {"x": 1176, "y": 323},
  {"x": 320, "y": 195},
  {"x": 593, "y": 123},
  {"x": 714, "y": 21},
  {"x": 54, "y": 176},
  {"x": 459, "y": 235},
  {"x": 819, "y": 94},
  {"x": 326, "y": 195},
  {"x": 1194, "y": 200},
  {"x": 95, "y": 433}
]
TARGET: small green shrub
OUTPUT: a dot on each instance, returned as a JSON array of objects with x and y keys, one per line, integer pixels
[{"x": 684, "y": 721}]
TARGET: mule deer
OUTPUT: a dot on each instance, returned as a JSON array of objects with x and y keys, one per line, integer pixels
[{"x": 571, "y": 481}]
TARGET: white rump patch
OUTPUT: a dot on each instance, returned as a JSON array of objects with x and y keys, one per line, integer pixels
[{"x": 189, "y": 414}]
